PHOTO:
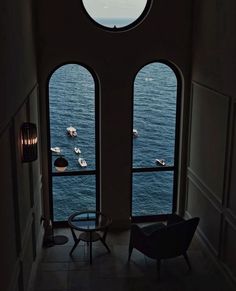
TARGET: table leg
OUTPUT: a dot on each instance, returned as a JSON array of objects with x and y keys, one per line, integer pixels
[
  {"x": 76, "y": 240},
  {"x": 73, "y": 234},
  {"x": 75, "y": 245},
  {"x": 90, "y": 246},
  {"x": 104, "y": 243},
  {"x": 103, "y": 240}
]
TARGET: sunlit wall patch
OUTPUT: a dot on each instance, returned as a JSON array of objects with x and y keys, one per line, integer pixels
[{"x": 116, "y": 14}]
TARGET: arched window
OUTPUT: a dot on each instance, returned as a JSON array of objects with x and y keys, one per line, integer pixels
[
  {"x": 155, "y": 141},
  {"x": 73, "y": 131}
]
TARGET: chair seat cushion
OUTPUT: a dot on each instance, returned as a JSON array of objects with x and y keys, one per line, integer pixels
[{"x": 152, "y": 228}]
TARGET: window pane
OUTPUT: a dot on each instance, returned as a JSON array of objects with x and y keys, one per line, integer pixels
[
  {"x": 112, "y": 13},
  {"x": 72, "y": 103},
  {"x": 73, "y": 193},
  {"x": 152, "y": 193},
  {"x": 155, "y": 91},
  {"x": 154, "y": 128}
]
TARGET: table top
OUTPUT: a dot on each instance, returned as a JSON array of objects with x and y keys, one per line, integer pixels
[{"x": 89, "y": 221}]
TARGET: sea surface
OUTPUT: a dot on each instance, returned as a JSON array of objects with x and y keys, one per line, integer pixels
[{"x": 72, "y": 103}]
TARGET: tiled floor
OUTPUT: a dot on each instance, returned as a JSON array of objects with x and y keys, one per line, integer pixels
[{"x": 58, "y": 271}]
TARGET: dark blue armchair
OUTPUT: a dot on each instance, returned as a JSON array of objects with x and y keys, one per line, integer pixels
[{"x": 162, "y": 241}]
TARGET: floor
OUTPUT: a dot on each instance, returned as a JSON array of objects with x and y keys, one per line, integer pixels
[{"x": 58, "y": 271}]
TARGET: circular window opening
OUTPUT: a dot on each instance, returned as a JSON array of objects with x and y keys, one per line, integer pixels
[{"x": 115, "y": 13}]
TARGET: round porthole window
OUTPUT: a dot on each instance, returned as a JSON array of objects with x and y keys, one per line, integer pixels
[{"x": 116, "y": 14}]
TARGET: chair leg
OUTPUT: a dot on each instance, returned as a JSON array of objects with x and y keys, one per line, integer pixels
[
  {"x": 158, "y": 268},
  {"x": 187, "y": 260}
]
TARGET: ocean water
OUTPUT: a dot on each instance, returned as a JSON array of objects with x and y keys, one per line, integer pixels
[
  {"x": 72, "y": 102},
  {"x": 115, "y": 22}
]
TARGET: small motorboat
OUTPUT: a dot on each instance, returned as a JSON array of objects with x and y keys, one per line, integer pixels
[
  {"x": 82, "y": 162},
  {"x": 56, "y": 150},
  {"x": 71, "y": 131},
  {"x": 77, "y": 150},
  {"x": 135, "y": 133},
  {"x": 160, "y": 162}
]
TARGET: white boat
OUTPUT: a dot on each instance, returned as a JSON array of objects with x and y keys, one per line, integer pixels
[
  {"x": 82, "y": 162},
  {"x": 71, "y": 131},
  {"x": 77, "y": 150},
  {"x": 135, "y": 132},
  {"x": 56, "y": 150},
  {"x": 161, "y": 162}
]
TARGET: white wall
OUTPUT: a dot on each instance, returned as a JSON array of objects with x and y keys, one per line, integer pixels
[
  {"x": 212, "y": 156},
  {"x": 20, "y": 207}
]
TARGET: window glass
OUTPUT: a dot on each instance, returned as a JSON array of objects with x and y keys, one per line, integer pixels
[
  {"x": 118, "y": 13},
  {"x": 72, "y": 136},
  {"x": 154, "y": 140},
  {"x": 72, "y": 104},
  {"x": 73, "y": 193},
  {"x": 155, "y": 90},
  {"x": 152, "y": 193}
]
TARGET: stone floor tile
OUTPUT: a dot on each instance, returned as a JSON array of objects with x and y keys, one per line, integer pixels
[
  {"x": 51, "y": 280},
  {"x": 45, "y": 266}
]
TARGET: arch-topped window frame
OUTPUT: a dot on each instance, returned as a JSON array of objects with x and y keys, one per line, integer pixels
[
  {"x": 124, "y": 28},
  {"x": 96, "y": 171},
  {"x": 175, "y": 167}
]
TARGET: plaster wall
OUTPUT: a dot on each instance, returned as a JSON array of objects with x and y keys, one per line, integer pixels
[
  {"x": 211, "y": 163},
  {"x": 66, "y": 34},
  {"x": 20, "y": 207}
]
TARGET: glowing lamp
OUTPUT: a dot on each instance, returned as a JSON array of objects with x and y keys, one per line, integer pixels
[{"x": 29, "y": 141}]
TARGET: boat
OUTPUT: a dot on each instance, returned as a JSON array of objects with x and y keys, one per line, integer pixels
[
  {"x": 135, "y": 132},
  {"x": 77, "y": 150},
  {"x": 56, "y": 150},
  {"x": 82, "y": 162},
  {"x": 161, "y": 162},
  {"x": 71, "y": 131}
]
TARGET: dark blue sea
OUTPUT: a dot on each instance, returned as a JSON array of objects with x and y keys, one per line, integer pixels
[{"x": 72, "y": 103}]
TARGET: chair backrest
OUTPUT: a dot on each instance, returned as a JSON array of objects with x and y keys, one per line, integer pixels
[{"x": 172, "y": 240}]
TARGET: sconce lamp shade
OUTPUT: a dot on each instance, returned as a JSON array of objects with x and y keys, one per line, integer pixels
[
  {"x": 29, "y": 141},
  {"x": 61, "y": 164}
]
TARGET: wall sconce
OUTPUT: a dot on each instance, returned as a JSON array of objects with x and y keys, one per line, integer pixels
[
  {"x": 61, "y": 164},
  {"x": 29, "y": 141}
]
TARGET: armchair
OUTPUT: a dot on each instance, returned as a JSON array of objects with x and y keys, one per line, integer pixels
[{"x": 160, "y": 241}]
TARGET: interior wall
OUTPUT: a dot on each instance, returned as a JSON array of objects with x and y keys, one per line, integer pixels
[
  {"x": 20, "y": 207},
  {"x": 212, "y": 156},
  {"x": 66, "y": 34}
]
